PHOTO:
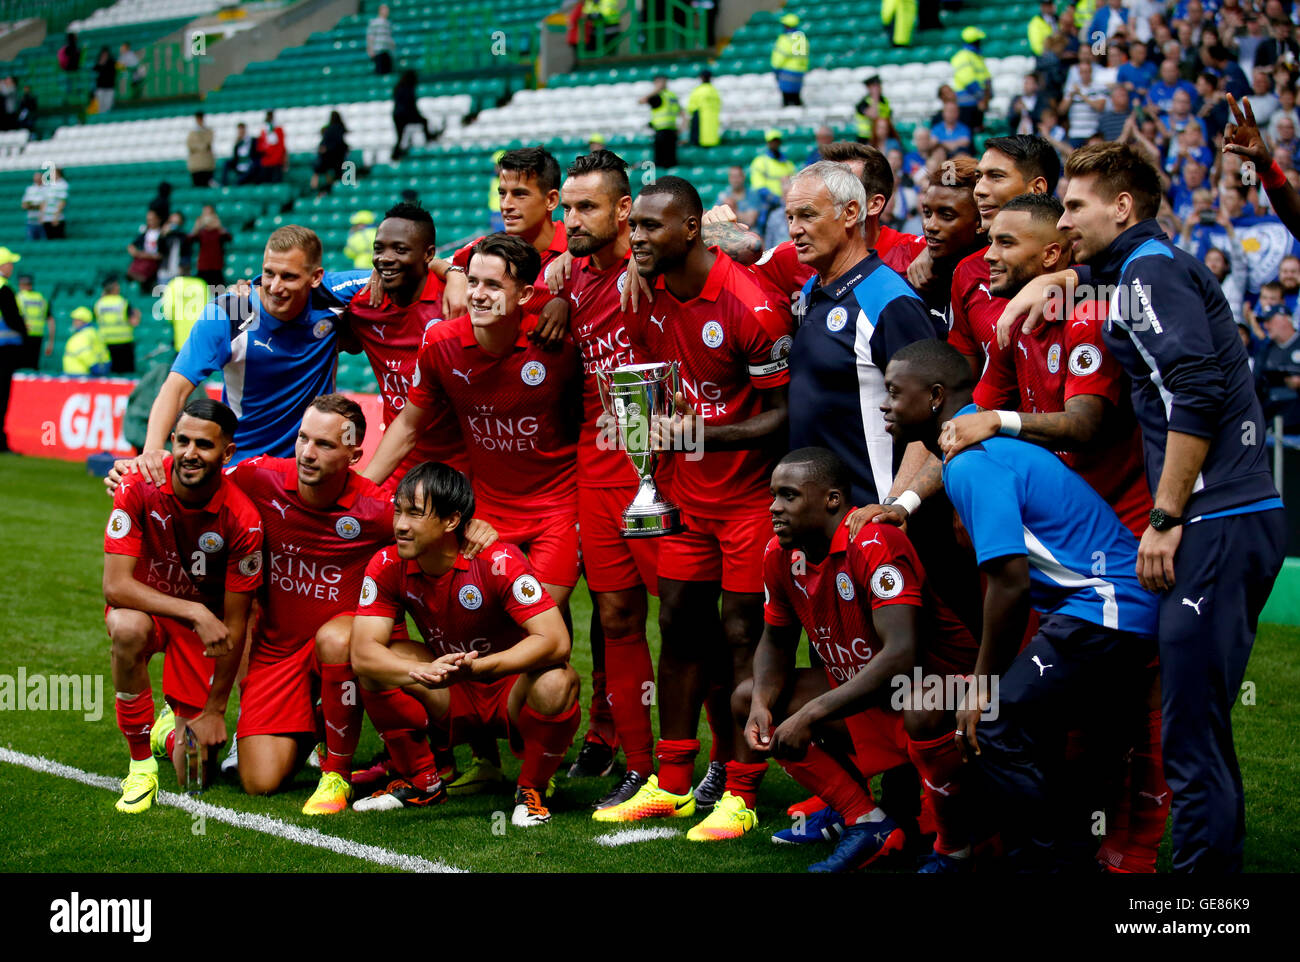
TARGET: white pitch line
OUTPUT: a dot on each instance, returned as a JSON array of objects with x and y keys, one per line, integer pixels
[
  {"x": 630, "y": 835},
  {"x": 247, "y": 820}
]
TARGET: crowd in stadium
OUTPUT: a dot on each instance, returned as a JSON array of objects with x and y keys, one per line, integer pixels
[{"x": 984, "y": 422}]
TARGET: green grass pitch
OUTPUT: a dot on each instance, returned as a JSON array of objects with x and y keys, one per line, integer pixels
[{"x": 51, "y": 529}]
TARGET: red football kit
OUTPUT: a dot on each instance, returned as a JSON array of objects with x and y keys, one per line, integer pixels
[
  {"x": 193, "y": 553},
  {"x": 732, "y": 342},
  {"x": 541, "y": 293},
  {"x": 316, "y": 559},
  {"x": 780, "y": 270},
  {"x": 479, "y": 605},
  {"x": 1057, "y": 362},
  {"x": 518, "y": 414},
  {"x": 833, "y": 602},
  {"x": 391, "y": 336},
  {"x": 975, "y": 311}
]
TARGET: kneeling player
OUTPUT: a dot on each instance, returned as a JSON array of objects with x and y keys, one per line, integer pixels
[
  {"x": 498, "y": 644},
  {"x": 181, "y": 561},
  {"x": 871, "y": 619}
]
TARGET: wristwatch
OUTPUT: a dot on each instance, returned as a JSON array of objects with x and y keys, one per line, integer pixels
[
  {"x": 1163, "y": 522},
  {"x": 888, "y": 501}
]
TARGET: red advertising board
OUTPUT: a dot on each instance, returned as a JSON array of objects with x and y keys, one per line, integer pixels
[{"x": 71, "y": 418}]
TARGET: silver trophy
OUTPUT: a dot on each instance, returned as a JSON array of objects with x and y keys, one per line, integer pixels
[
  {"x": 634, "y": 395},
  {"x": 193, "y": 771}
]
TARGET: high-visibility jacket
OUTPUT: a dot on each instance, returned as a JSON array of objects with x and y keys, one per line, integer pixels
[
  {"x": 705, "y": 109},
  {"x": 360, "y": 248},
  {"x": 86, "y": 352},
  {"x": 35, "y": 309},
  {"x": 611, "y": 11},
  {"x": 970, "y": 76},
  {"x": 865, "y": 125},
  {"x": 183, "y": 301},
  {"x": 767, "y": 172},
  {"x": 664, "y": 117},
  {"x": 8, "y": 336},
  {"x": 1039, "y": 31},
  {"x": 111, "y": 316},
  {"x": 790, "y": 52}
]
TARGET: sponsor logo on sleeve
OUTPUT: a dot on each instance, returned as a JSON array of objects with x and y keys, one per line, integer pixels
[
  {"x": 119, "y": 524},
  {"x": 251, "y": 564},
  {"x": 1084, "y": 359},
  {"x": 369, "y": 591},
  {"x": 527, "y": 590},
  {"x": 887, "y": 582}
]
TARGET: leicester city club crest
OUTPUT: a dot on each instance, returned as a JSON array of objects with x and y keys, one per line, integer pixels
[
  {"x": 211, "y": 542},
  {"x": 322, "y": 328},
  {"x": 470, "y": 597},
  {"x": 347, "y": 527},
  {"x": 844, "y": 585},
  {"x": 836, "y": 319},
  {"x": 712, "y": 334},
  {"x": 533, "y": 373},
  {"x": 1054, "y": 358}
]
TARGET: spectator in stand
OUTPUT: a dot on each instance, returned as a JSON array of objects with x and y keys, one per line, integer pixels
[
  {"x": 1109, "y": 20},
  {"x": 971, "y": 80},
  {"x": 85, "y": 354},
  {"x": 1285, "y": 108},
  {"x": 1218, "y": 60},
  {"x": 69, "y": 57},
  {"x": 870, "y": 108},
  {"x": 406, "y": 110},
  {"x": 272, "y": 151},
  {"x": 1206, "y": 229},
  {"x": 241, "y": 166},
  {"x": 53, "y": 214},
  {"x": 1086, "y": 99},
  {"x": 162, "y": 201},
  {"x": 33, "y": 204},
  {"x": 145, "y": 254},
  {"x": 175, "y": 249},
  {"x": 951, "y": 132},
  {"x": 884, "y": 137},
  {"x": 790, "y": 61},
  {"x": 1288, "y": 276},
  {"x": 704, "y": 112},
  {"x": 200, "y": 161},
  {"x": 380, "y": 45},
  {"x": 8, "y": 103},
  {"x": 27, "y": 108},
  {"x": 1278, "y": 368},
  {"x": 1042, "y": 26},
  {"x": 743, "y": 202},
  {"x": 1050, "y": 129},
  {"x": 1051, "y": 69},
  {"x": 768, "y": 174},
  {"x": 821, "y": 140},
  {"x": 1248, "y": 44},
  {"x": 211, "y": 239},
  {"x": 1112, "y": 120},
  {"x": 1183, "y": 188},
  {"x": 1213, "y": 111},
  {"x": 105, "y": 80},
  {"x": 1262, "y": 98},
  {"x": 1139, "y": 73},
  {"x": 1161, "y": 94},
  {"x": 1280, "y": 45},
  {"x": 1027, "y": 107},
  {"x": 330, "y": 155},
  {"x": 128, "y": 61},
  {"x": 1284, "y": 128},
  {"x": 923, "y": 144},
  {"x": 1180, "y": 116}
]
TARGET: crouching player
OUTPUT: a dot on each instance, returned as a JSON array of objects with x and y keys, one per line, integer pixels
[
  {"x": 495, "y": 658},
  {"x": 872, "y": 620},
  {"x": 181, "y": 562},
  {"x": 323, "y": 524}
]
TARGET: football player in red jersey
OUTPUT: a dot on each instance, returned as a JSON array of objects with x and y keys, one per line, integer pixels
[
  {"x": 597, "y": 201},
  {"x": 1011, "y": 166},
  {"x": 951, "y": 223},
  {"x": 323, "y": 523},
  {"x": 877, "y": 628},
  {"x": 1073, "y": 399},
  {"x": 529, "y": 189},
  {"x": 518, "y": 407},
  {"x": 181, "y": 562},
  {"x": 390, "y": 331},
  {"x": 731, "y": 339},
  {"x": 495, "y": 657}
]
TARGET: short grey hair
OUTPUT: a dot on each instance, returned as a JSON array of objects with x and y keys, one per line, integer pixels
[{"x": 841, "y": 183}]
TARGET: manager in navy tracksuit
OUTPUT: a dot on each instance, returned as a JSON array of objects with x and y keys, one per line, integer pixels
[{"x": 1216, "y": 540}]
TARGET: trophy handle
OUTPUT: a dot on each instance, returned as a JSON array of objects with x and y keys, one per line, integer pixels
[
  {"x": 602, "y": 389},
  {"x": 675, "y": 379}
]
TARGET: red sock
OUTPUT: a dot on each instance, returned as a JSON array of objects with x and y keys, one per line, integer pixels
[
  {"x": 743, "y": 779},
  {"x": 402, "y": 721},
  {"x": 600, "y": 717},
  {"x": 939, "y": 763},
  {"x": 135, "y": 719},
  {"x": 546, "y": 739},
  {"x": 1139, "y": 823},
  {"x": 628, "y": 669},
  {"x": 821, "y": 774},
  {"x": 169, "y": 745},
  {"x": 676, "y": 757},
  {"x": 342, "y": 709}
]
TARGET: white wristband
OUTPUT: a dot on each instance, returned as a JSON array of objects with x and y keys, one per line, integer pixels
[
  {"x": 909, "y": 501},
  {"x": 1010, "y": 423}
]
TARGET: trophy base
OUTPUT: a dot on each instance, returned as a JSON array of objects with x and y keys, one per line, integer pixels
[{"x": 667, "y": 521}]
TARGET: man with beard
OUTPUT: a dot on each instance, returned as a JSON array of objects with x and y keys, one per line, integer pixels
[{"x": 181, "y": 562}]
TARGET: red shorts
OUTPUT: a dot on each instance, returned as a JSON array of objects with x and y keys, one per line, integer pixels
[
  {"x": 879, "y": 740},
  {"x": 481, "y": 706},
  {"x": 187, "y": 671},
  {"x": 712, "y": 549},
  {"x": 550, "y": 543},
  {"x": 610, "y": 561},
  {"x": 278, "y": 694}
]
